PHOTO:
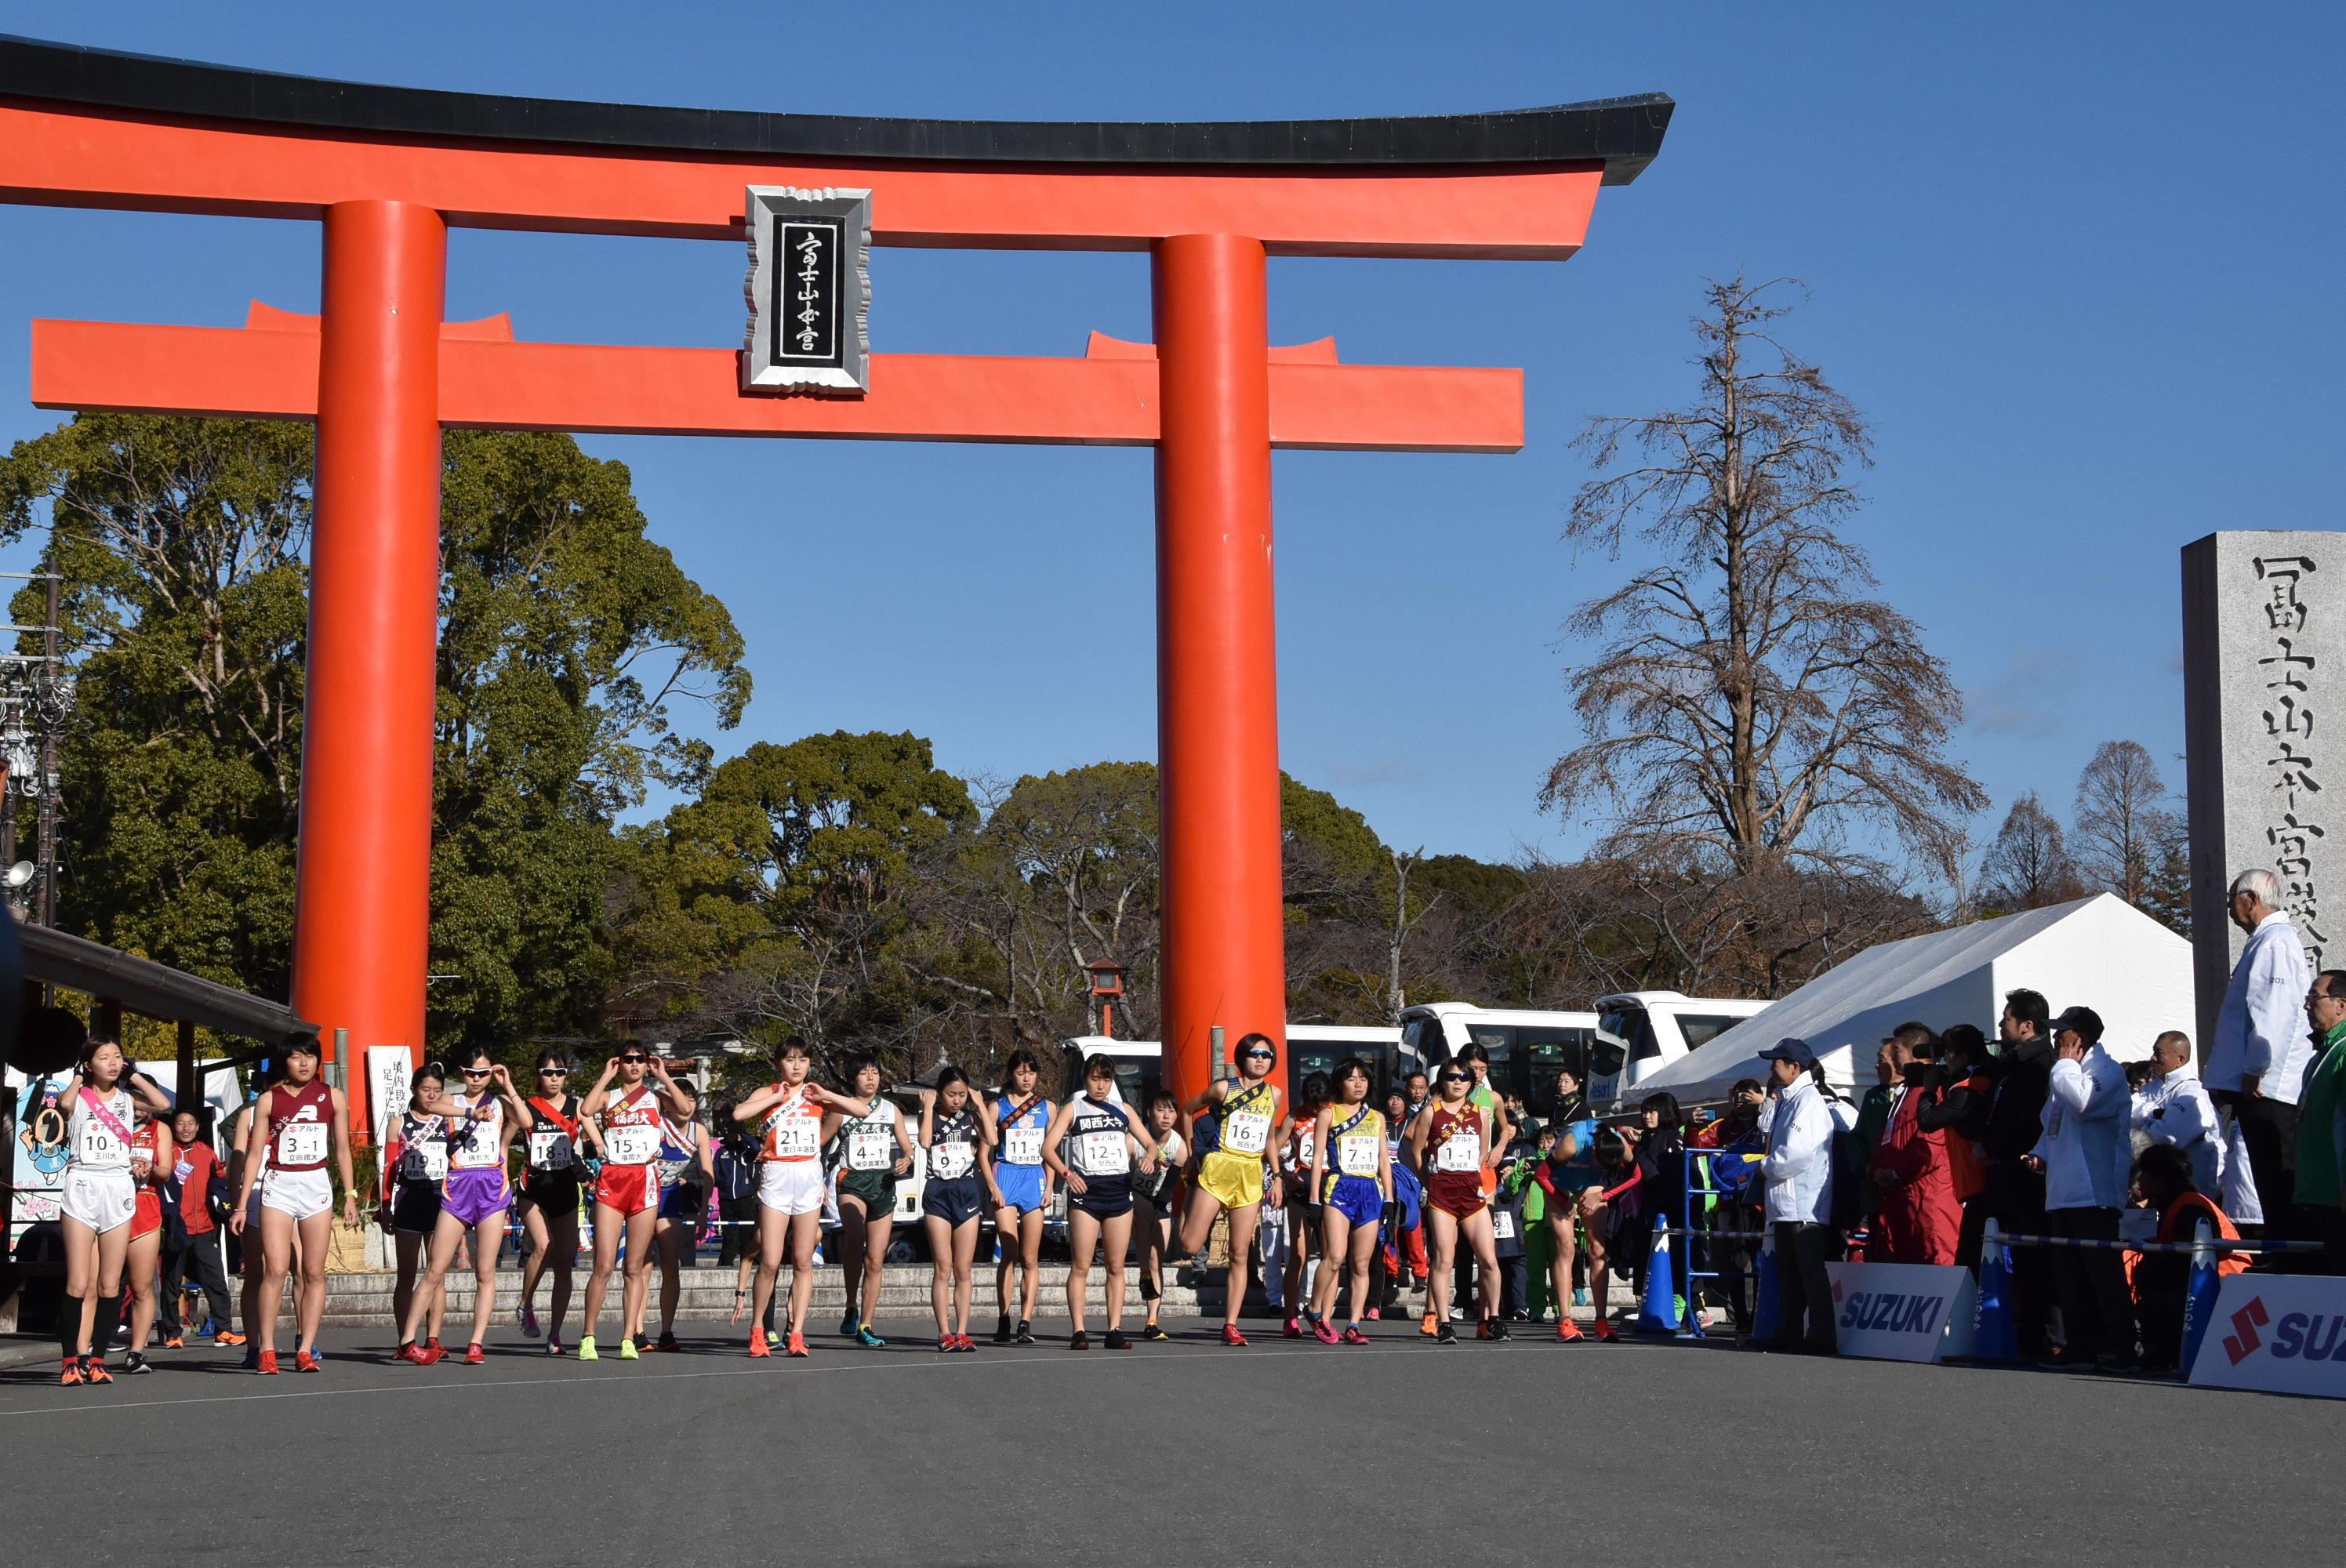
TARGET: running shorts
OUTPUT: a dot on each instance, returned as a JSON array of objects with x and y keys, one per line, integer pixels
[
  {"x": 147, "y": 1214},
  {"x": 1103, "y": 1198},
  {"x": 1234, "y": 1180},
  {"x": 416, "y": 1208},
  {"x": 1022, "y": 1186},
  {"x": 955, "y": 1201},
  {"x": 630, "y": 1190},
  {"x": 1456, "y": 1193},
  {"x": 1356, "y": 1198},
  {"x": 300, "y": 1194},
  {"x": 99, "y": 1199},
  {"x": 790, "y": 1187},
  {"x": 687, "y": 1201},
  {"x": 876, "y": 1189},
  {"x": 475, "y": 1195}
]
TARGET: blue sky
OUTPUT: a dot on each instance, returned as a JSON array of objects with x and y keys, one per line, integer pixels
[{"x": 2075, "y": 262}]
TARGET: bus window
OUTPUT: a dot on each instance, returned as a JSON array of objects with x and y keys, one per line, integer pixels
[
  {"x": 1701, "y": 1028},
  {"x": 1554, "y": 1052},
  {"x": 1632, "y": 1027}
]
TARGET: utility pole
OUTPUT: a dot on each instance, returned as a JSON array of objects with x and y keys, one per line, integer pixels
[
  {"x": 36, "y": 702},
  {"x": 46, "y": 824}
]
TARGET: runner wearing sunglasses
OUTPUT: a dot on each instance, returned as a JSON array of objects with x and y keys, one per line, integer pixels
[
  {"x": 560, "y": 1139},
  {"x": 1232, "y": 1175},
  {"x": 1451, "y": 1141},
  {"x": 629, "y": 1111},
  {"x": 482, "y": 1121}
]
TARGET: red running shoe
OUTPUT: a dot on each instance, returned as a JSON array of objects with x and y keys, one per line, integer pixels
[
  {"x": 1567, "y": 1331},
  {"x": 475, "y": 1354},
  {"x": 1606, "y": 1332},
  {"x": 1353, "y": 1336},
  {"x": 964, "y": 1342},
  {"x": 757, "y": 1345},
  {"x": 305, "y": 1362},
  {"x": 1324, "y": 1330},
  {"x": 428, "y": 1352},
  {"x": 796, "y": 1347},
  {"x": 1230, "y": 1335},
  {"x": 1292, "y": 1329},
  {"x": 268, "y": 1363},
  {"x": 947, "y": 1344}
]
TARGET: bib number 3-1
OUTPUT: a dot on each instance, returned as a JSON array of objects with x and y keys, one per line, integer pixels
[{"x": 302, "y": 1144}]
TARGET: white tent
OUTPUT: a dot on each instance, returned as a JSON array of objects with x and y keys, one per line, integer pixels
[{"x": 2099, "y": 953}]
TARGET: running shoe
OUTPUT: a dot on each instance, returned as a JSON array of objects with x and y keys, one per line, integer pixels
[
  {"x": 406, "y": 1352},
  {"x": 428, "y": 1352},
  {"x": 1499, "y": 1330},
  {"x": 1117, "y": 1340},
  {"x": 1154, "y": 1332},
  {"x": 305, "y": 1362},
  {"x": 432, "y": 1342},
  {"x": 228, "y": 1337},
  {"x": 266, "y": 1365},
  {"x": 1606, "y": 1332},
  {"x": 1292, "y": 1330},
  {"x": 527, "y": 1318},
  {"x": 796, "y": 1346},
  {"x": 946, "y": 1344},
  {"x": 71, "y": 1377},
  {"x": 94, "y": 1369},
  {"x": 175, "y": 1342},
  {"x": 757, "y": 1345},
  {"x": 1002, "y": 1330},
  {"x": 666, "y": 1342},
  {"x": 1426, "y": 1325},
  {"x": 553, "y": 1346},
  {"x": 135, "y": 1363},
  {"x": 1230, "y": 1335},
  {"x": 964, "y": 1342},
  {"x": 1324, "y": 1330},
  {"x": 867, "y": 1338},
  {"x": 627, "y": 1351},
  {"x": 1079, "y": 1340},
  {"x": 475, "y": 1354},
  {"x": 1025, "y": 1332},
  {"x": 1353, "y": 1336},
  {"x": 1373, "y": 1314},
  {"x": 586, "y": 1348},
  {"x": 847, "y": 1325},
  {"x": 1445, "y": 1335},
  {"x": 1580, "y": 1296},
  {"x": 1567, "y": 1331},
  {"x": 1484, "y": 1330}
]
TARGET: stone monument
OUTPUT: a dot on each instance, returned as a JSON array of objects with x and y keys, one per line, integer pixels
[{"x": 2264, "y": 725}]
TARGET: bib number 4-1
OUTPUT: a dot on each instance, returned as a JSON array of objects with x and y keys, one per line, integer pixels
[{"x": 871, "y": 1148}]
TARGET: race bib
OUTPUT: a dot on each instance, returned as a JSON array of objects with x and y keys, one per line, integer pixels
[
  {"x": 1103, "y": 1154},
  {"x": 630, "y": 1145},
  {"x": 1459, "y": 1152},
  {"x": 797, "y": 1139},
  {"x": 950, "y": 1162},
  {"x": 425, "y": 1162},
  {"x": 97, "y": 1146},
  {"x": 871, "y": 1148},
  {"x": 1022, "y": 1146},
  {"x": 1246, "y": 1132},
  {"x": 302, "y": 1144},
  {"x": 182, "y": 1170},
  {"x": 549, "y": 1151},
  {"x": 1503, "y": 1224},
  {"x": 1356, "y": 1153},
  {"x": 1303, "y": 1149},
  {"x": 481, "y": 1153}
]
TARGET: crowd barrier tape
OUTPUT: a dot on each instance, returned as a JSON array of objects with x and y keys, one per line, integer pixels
[
  {"x": 2276, "y": 1334},
  {"x": 1903, "y": 1311}
]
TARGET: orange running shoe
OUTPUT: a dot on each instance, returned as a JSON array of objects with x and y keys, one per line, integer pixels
[
  {"x": 305, "y": 1362},
  {"x": 757, "y": 1345},
  {"x": 1606, "y": 1332},
  {"x": 71, "y": 1377},
  {"x": 175, "y": 1343},
  {"x": 797, "y": 1346},
  {"x": 1567, "y": 1331},
  {"x": 94, "y": 1370},
  {"x": 228, "y": 1337},
  {"x": 268, "y": 1363}
]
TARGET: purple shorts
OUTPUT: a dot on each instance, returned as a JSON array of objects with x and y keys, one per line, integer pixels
[{"x": 473, "y": 1195}]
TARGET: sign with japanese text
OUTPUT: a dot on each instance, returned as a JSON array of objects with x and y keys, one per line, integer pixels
[{"x": 809, "y": 290}]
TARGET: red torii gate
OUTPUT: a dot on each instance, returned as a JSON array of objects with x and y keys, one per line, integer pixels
[{"x": 388, "y": 169}]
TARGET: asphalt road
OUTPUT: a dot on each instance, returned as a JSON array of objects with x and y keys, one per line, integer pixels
[{"x": 1180, "y": 1453}]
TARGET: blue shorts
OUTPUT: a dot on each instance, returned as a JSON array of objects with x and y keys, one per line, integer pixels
[
  {"x": 1022, "y": 1186},
  {"x": 1356, "y": 1198},
  {"x": 953, "y": 1202},
  {"x": 685, "y": 1200},
  {"x": 1103, "y": 1197}
]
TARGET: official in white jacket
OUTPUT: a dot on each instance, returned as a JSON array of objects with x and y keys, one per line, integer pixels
[
  {"x": 2087, "y": 1157},
  {"x": 2257, "y": 1062},
  {"x": 1796, "y": 1181},
  {"x": 2174, "y": 1108}
]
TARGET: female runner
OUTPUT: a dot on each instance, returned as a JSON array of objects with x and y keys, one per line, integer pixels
[
  {"x": 1156, "y": 1202},
  {"x": 97, "y": 1198},
  {"x": 1231, "y": 1177},
  {"x": 150, "y": 1166},
  {"x": 418, "y": 1157},
  {"x": 1351, "y": 1169},
  {"x": 293, "y": 1126},
  {"x": 1302, "y": 1201},
  {"x": 560, "y": 1140},
  {"x": 1015, "y": 1122},
  {"x": 628, "y": 1114},
  {"x": 481, "y": 1123},
  {"x": 1101, "y": 1135},
  {"x": 1451, "y": 1140},
  {"x": 686, "y": 1172},
  {"x": 875, "y": 1149},
  {"x": 790, "y": 1186},
  {"x": 957, "y": 1141}
]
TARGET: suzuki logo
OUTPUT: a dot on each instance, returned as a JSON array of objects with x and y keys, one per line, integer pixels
[{"x": 2242, "y": 1342}]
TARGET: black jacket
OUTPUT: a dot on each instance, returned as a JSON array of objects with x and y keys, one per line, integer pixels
[{"x": 2024, "y": 1077}]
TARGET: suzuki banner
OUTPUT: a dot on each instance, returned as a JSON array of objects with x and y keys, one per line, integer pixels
[
  {"x": 2281, "y": 1333},
  {"x": 1902, "y": 1312}
]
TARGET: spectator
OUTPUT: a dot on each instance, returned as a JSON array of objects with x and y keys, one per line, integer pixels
[
  {"x": 2255, "y": 1066},
  {"x": 1539, "y": 1243},
  {"x": 1872, "y": 1117},
  {"x": 2162, "y": 1175},
  {"x": 2173, "y": 1108},
  {"x": 2013, "y": 1194},
  {"x": 1796, "y": 1171},
  {"x": 1571, "y": 1104},
  {"x": 2085, "y": 1158},
  {"x": 196, "y": 1172},
  {"x": 1737, "y": 1133},
  {"x": 2320, "y": 1142},
  {"x": 1913, "y": 1183},
  {"x": 1957, "y": 1092}
]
